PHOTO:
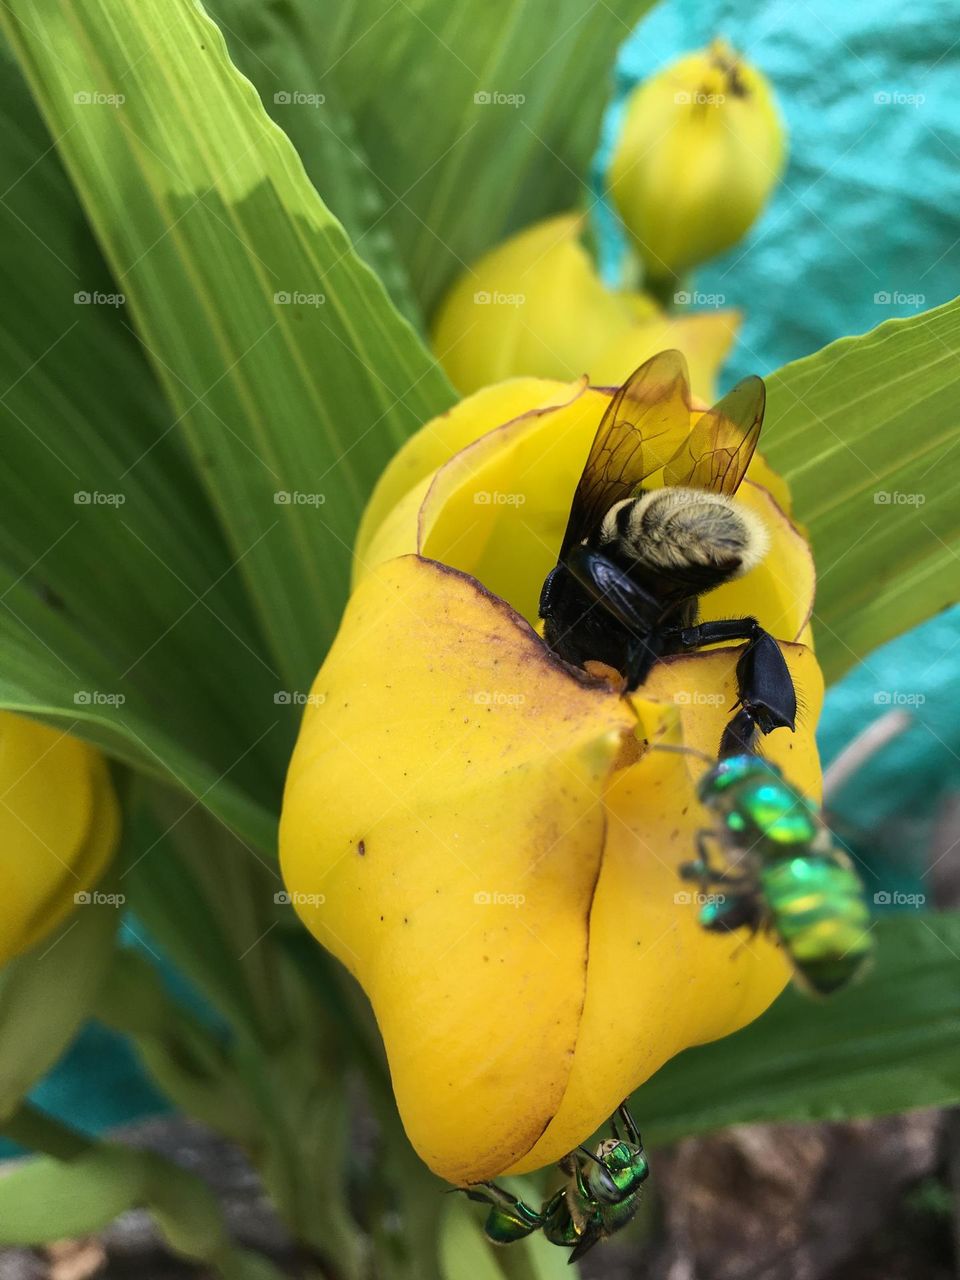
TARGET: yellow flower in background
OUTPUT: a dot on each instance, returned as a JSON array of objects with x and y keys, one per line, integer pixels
[
  {"x": 59, "y": 827},
  {"x": 480, "y": 832},
  {"x": 535, "y": 305},
  {"x": 702, "y": 147}
]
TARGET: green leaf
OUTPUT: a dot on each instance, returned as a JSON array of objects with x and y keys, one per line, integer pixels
[
  {"x": 457, "y": 174},
  {"x": 885, "y": 1045},
  {"x": 280, "y": 52},
  {"x": 208, "y": 222},
  {"x": 867, "y": 433},
  {"x": 46, "y": 1199},
  {"x": 48, "y": 992},
  {"x": 137, "y": 601}
]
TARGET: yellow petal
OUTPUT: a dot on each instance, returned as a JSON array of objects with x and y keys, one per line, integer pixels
[
  {"x": 463, "y": 827},
  {"x": 701, "y": 148},
  {"x": 437, "y": 441},
  {"x": 532, "y": 305},
  {"x": 705, "y": 338},
  {"x": 656, "y": 982},
  {"x": 449, "y": 766},
  {"x": 59, "y": 825},
  {"x": 536, "y": 305}
]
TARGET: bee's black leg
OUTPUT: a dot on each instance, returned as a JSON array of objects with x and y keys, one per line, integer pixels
[{"x": 768, "y": 699}]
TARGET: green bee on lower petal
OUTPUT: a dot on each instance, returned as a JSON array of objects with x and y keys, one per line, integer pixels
[
  {"x": 601, "y": 1195},
  {"x": 787, "y": 874}
]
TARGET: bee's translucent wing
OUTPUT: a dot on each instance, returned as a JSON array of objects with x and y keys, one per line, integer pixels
[
  {"x": 718, "y": 450},
  {"x": 644, "y": 425}
]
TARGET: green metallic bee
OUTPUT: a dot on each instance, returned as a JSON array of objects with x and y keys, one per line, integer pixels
[
  {"x": 790, "y": 878},
  {"x": 601, "y": 1195}
]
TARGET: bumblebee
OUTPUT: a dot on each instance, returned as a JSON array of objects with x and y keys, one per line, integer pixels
[{"x": 654, "y": 525}]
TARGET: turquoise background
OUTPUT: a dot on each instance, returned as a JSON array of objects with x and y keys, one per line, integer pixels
[{"x": 870, "y": 204}]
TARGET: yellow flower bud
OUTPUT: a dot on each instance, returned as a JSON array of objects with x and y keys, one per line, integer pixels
[
  {"x": 477, "y": 831},
  {"x": 536, "y": 305},
  {"x": 702, "y": 147},
  {"x": 59, "y": 826}
]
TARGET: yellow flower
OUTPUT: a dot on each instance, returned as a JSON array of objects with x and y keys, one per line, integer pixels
[
  {"x": 701, "y": 149},
  {"x": 479, "y": 832},
  {"x": 535, "y": 305},
  {"x": 59, "y": 826}
]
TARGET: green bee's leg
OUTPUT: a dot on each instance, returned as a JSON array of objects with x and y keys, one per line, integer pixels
[
  {"x": 734, "y": 913},
  {"x": 558, "y": 1224},
  {"x": 703, "y": 871},
  {"x": 629, "y": 1124},
  {"x": 509, "y": 1219}
]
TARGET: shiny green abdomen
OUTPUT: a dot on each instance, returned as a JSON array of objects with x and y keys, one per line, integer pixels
[{"x": 817, "y": 906}]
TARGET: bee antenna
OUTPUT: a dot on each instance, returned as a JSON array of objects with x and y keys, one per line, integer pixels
[
  {"x": 591, "y": 1156},
  {"x": 683, "y": 751}
]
